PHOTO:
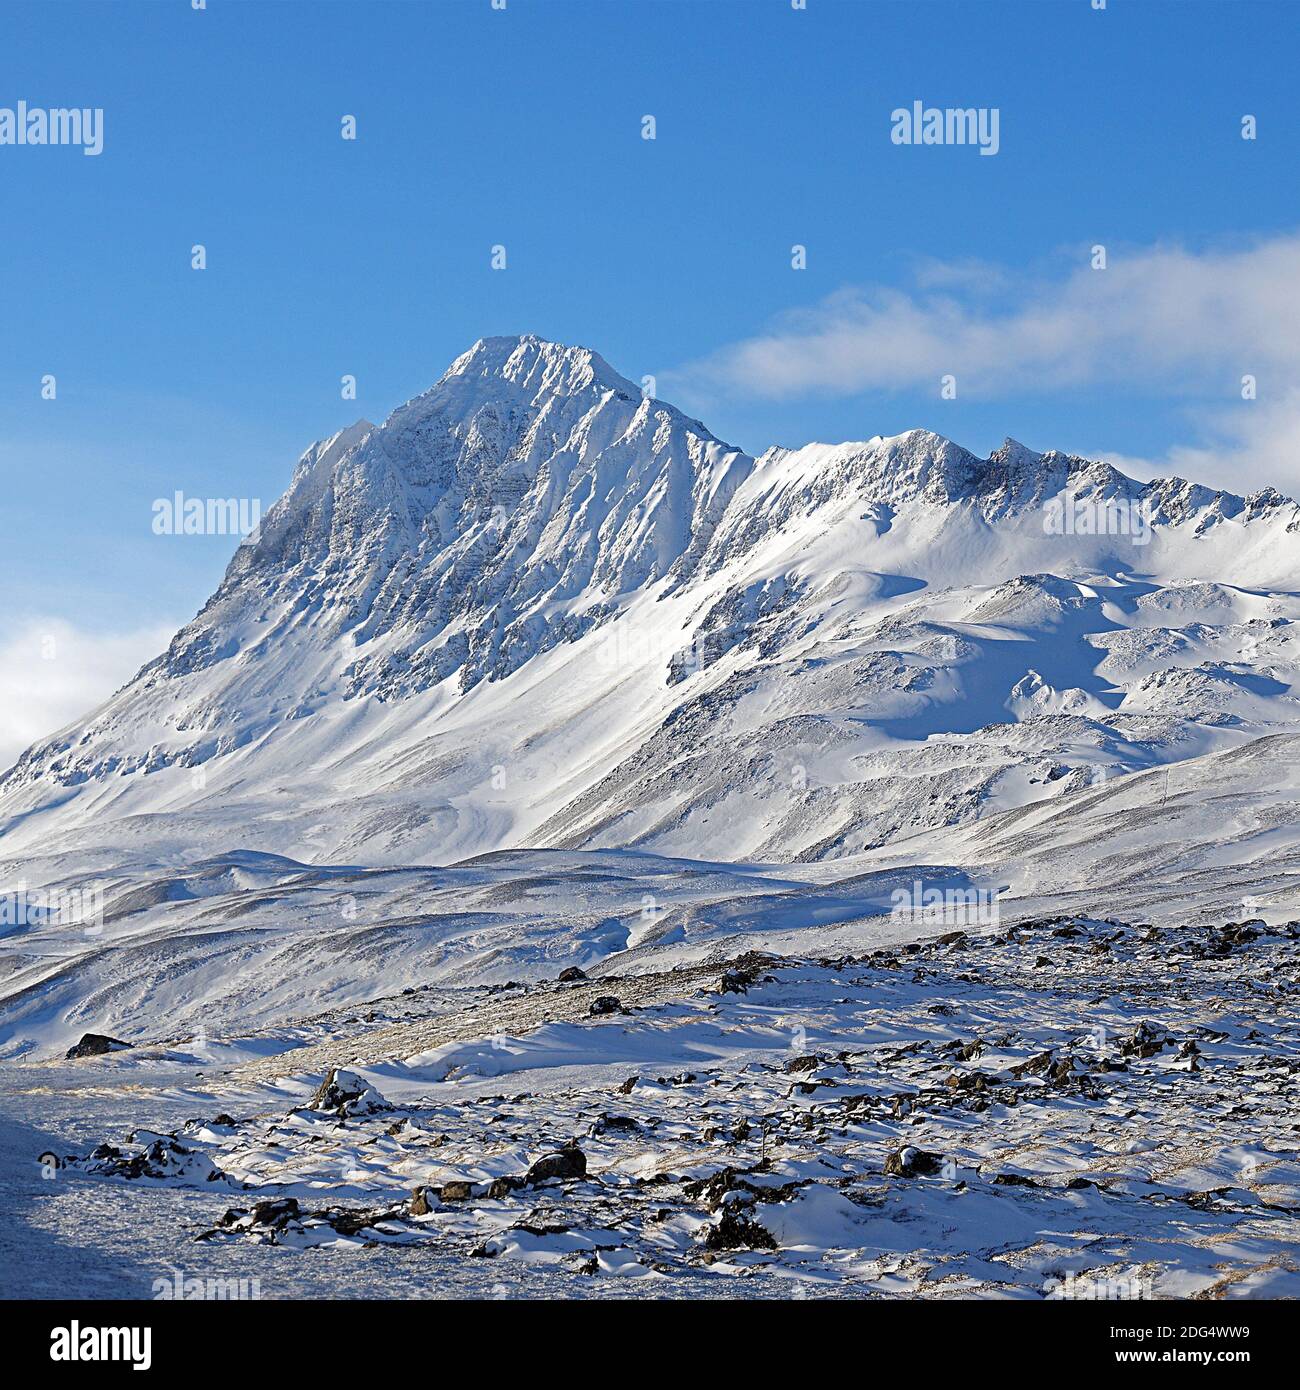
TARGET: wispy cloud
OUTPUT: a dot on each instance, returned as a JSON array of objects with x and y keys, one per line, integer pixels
[
  {"x": 52, "y": 672},
  {"x": 1162, "y": 315},
  {"x": 1243, "y": 446},
  {"x": 1162, "y": 320}
]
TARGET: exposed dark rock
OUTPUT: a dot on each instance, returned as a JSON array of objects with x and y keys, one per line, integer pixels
[
  {"x": 714, "y": 1191},
  {"x": 162, "y": 1157},
  {"x": 566, "y": 1163},
  {"x": 1146, "y": 1041},
  {"x": 96, "y": 1045},
  {"x": 620, "y": 1124},
  {"x": 345, "y": 1093},
  {"x": 735, "y": 1231},
  {"x": 1037, "y": 1065},
  {"x": 274, "y": 1214},
  {"x": 911, "y": 1162}
]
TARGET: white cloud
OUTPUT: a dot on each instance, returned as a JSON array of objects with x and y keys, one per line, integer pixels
[
  {"x": 1162, "y": 320},
  {"x": 52, "y": 672},
  {"x": 1251, "y": 445},
  {"x": 1162, "y": 315}
]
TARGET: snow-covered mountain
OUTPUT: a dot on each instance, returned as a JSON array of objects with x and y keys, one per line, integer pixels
[{"x": 534, "y": 608}]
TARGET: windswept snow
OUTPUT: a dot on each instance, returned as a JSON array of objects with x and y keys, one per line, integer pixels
[
  {"x": 1071, "y": 1109},
  {"x": 539, "y": 676}
]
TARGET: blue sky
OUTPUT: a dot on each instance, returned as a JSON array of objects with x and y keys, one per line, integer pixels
[{"x": 476, "y": 126}]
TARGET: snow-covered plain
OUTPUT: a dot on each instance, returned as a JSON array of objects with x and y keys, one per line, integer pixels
[
  {"x": 540, "y": 675},
  {"x": 1069, "y": 1109}
]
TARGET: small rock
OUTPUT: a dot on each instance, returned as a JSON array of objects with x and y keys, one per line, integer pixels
[
  {"x": 1148, "y": 1040},
  {"x": 605, "y": 1004},
  {"x": 619, "y": 1124},
  {"x": 275, "y": 1214},
  {"x": 571, "y": 973}
]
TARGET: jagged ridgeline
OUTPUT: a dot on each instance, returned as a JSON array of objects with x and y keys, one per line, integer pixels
[{"x": 535, "y": 608}]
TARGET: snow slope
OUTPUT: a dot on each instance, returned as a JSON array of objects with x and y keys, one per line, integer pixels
[
  {"x": 540, "y": 673},
  {"x": 535, "y": 609}
]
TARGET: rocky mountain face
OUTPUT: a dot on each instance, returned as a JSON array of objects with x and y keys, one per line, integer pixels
[{"x": 533, "y": 608}]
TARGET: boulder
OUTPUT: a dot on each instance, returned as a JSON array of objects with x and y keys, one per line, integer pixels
[
  {"x": 345, "y": 1093},
  {"x": 735, "y": 1231},
  {"x": 911, "y": 1162},
  {"x": 566, "y": 1163},
  {"x": 96, "y": 1045}
]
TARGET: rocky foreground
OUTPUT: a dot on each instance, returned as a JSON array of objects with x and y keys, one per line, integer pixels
[{"x": 1066, "y": 1108}]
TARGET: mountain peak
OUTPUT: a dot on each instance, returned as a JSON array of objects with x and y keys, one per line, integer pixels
[
  {"x": 537, "y": 364},
  {"x": 1013, "y": 454},
  {"x": 533, "y": 510}
]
